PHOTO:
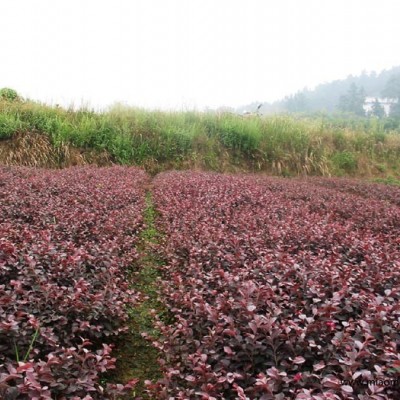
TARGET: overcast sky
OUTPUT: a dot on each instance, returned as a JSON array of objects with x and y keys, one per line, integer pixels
[{"x": 189, "y": 53}]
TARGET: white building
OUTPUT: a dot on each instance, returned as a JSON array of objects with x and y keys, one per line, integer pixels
[{"x": 385, "y": 103}]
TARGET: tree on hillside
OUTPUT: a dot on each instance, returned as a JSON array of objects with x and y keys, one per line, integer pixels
[
  {"x": 377, "y": 109},
  {"x": 326, "y": 96},
  {"x": 296, "y": 102},
  {"x": 392, "y": 87},
  {"x": 353, "y": 101},
  {"x": 392, "y": 91}
]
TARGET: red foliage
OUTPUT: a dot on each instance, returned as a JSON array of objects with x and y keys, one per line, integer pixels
[
  {"x": 279, "y": 288},
  {"x": 361, "y": 188},
  {"x": 66, "y": 240}
]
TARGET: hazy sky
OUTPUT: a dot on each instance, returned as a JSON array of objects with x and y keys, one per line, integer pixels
[{"x": 189, "y": 53}]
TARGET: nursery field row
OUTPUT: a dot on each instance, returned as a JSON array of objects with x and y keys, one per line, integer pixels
[
  {"x": 364, "y": 189},
  {"x": 67, "y": 239},
  {"x": 281, "y": 289}
]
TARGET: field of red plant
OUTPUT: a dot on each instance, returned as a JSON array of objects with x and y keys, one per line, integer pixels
[
  {"x": 66, "y": 241},
  {"x": 280, "y": 289},
  {"x": 275, "y": 288},
  {"x": 363, "y": 189}
]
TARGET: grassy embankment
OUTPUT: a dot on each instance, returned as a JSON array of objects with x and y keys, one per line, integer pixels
[{"x": 39, "y": 135}]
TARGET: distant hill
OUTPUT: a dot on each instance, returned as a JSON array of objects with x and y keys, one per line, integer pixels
[{"x": 326, "y": 96}]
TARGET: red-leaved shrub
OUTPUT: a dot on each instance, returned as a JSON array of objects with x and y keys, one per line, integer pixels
[
  {"x": 66, "y": 240},
  {"x": 280, "y": 289}
]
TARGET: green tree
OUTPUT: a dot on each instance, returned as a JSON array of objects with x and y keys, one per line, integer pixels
[
  {"x": 296, "y": 103},
  {"x": 377, "y": 109},
  {"x": 353, "y": 101},
  {"x": 392, "y": 87},
  {"x": 392, "y": 92}
]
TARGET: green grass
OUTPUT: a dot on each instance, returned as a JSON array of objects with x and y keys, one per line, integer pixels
[
  {"x": 136, "y": 357},
  {"x": 388, "y": 181},
  {"x": 281, "y": 144}
]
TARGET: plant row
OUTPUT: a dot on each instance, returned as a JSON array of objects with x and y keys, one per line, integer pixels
[
  {"x": 279, "y": 289},
  {"x": 362, "y": 188},
  {"x": 67, "y": 239}
]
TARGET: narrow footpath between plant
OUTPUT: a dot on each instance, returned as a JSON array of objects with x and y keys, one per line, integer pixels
[{"x": 136, "y": 357}]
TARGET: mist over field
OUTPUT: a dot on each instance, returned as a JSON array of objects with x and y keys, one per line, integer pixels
[{"x": 190, "y": 55}]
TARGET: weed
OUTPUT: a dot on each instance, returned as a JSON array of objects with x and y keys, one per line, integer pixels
[
  {"x": 222, "y": 142},
  {"x": 390, "y": 180},
  {"x": 345, "y": 161}
]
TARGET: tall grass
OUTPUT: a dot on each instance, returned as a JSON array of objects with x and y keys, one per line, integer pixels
[{"x": 280, "y": 144}]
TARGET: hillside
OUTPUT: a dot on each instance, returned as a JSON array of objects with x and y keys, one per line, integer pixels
[{"x": 326, "y": 96}]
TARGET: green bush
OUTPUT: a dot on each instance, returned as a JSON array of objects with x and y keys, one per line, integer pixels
[
  {"x": 9, "y": 125},
  {"x": 8, "y": 94},
  {"x": 345, "y": 161}
]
